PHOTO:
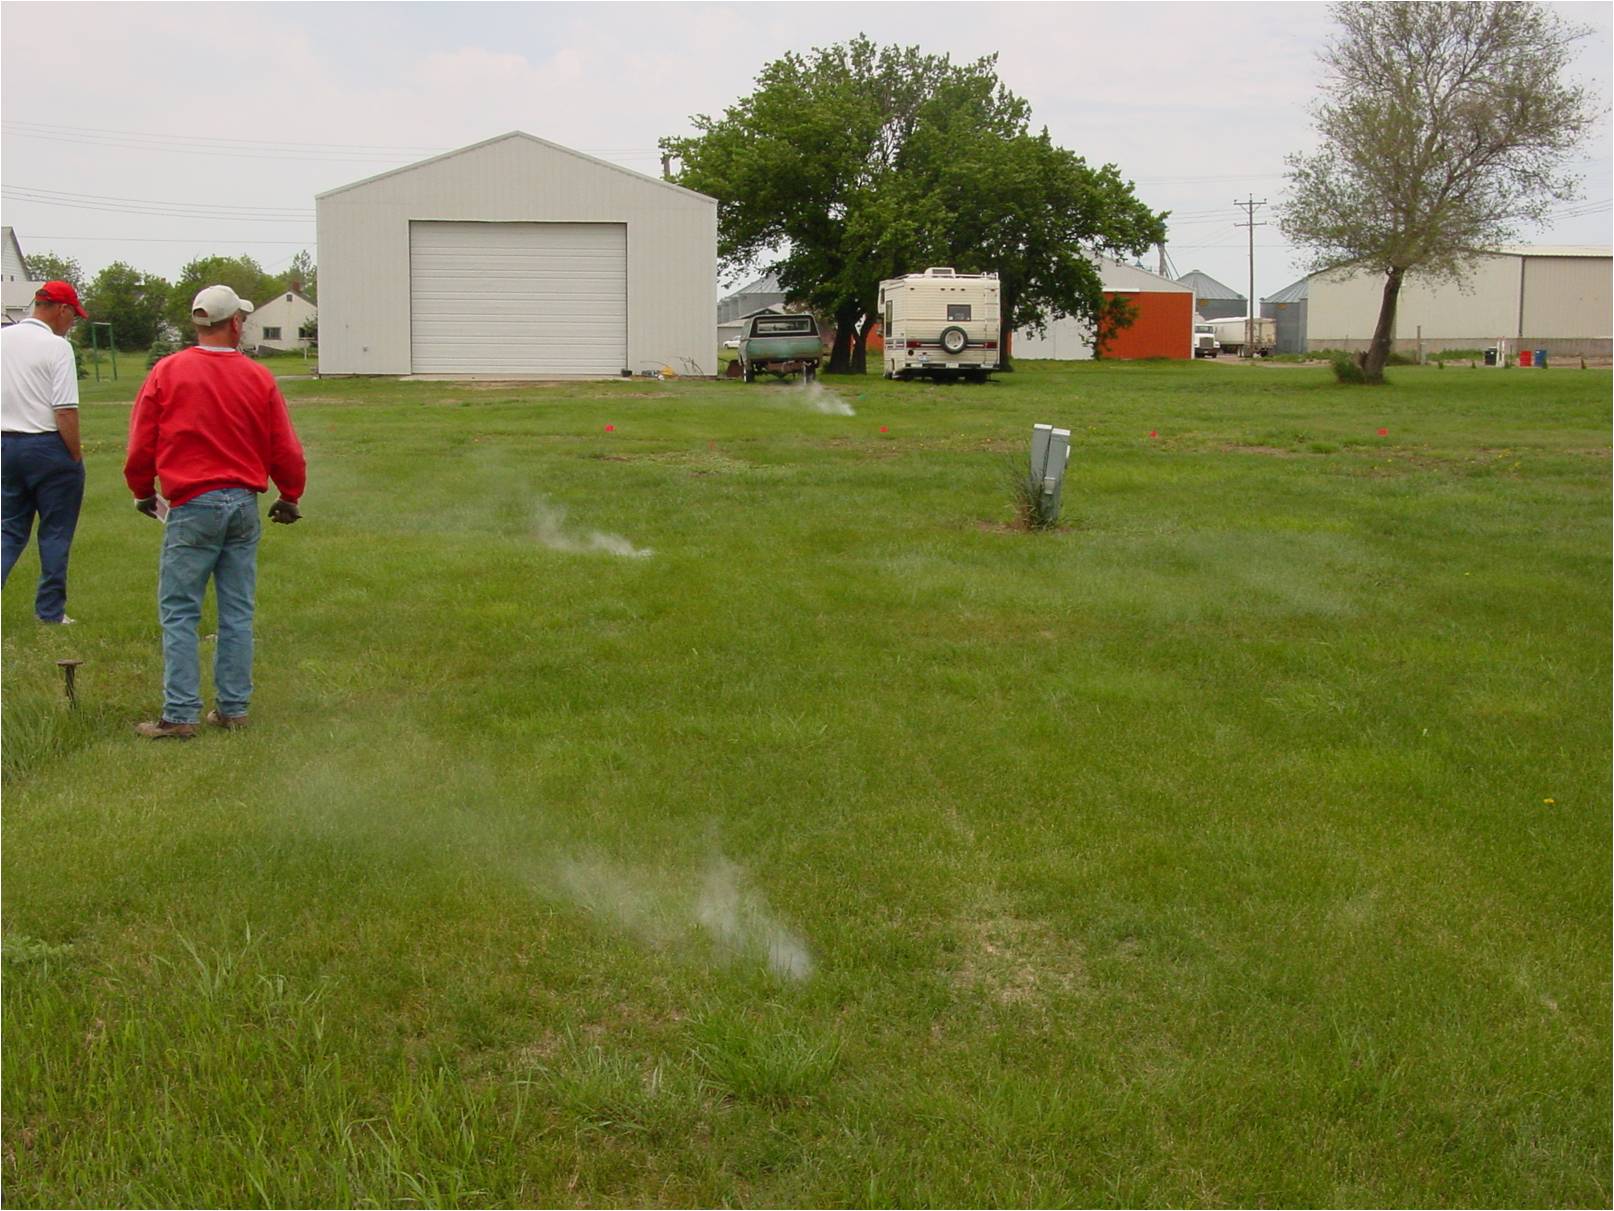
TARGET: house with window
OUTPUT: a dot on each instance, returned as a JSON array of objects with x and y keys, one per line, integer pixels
[
  {"x": 14, "y": 278},
  {"x": 275, "y": 323}
]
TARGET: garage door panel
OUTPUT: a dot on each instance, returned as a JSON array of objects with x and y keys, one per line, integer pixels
[{"x": 518, "y": 298}]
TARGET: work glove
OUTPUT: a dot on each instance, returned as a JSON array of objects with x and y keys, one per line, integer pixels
[
  {"x": 284, "y": 512},
  {"x": 148, "y": 506}
]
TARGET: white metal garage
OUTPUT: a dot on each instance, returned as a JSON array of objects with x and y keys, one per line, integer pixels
[
  {"x": 521, "y": 299},
  {"x": 516, "y": 258}
]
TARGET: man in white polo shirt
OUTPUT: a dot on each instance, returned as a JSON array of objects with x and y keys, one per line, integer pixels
[{"x": 41, "y": 462}]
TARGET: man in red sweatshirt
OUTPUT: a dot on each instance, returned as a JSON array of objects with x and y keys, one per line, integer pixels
[{"x": 212, "y": 429}]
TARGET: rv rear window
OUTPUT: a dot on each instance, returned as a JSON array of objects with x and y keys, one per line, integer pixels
[
  {"x": 958, "y": 311},
  {"x": 793, "y": 325}
]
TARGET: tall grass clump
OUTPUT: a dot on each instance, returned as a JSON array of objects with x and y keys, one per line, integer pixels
[
  {"x": 1033, "y": 510},
  {"x": 1347, "y": 368}
]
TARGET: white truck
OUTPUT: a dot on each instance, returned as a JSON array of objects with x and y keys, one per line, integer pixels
[
  {"x": 940, "y": 324},
  {"x": 1205, "y": 342},
  {"x": 1233, "y": 334}
]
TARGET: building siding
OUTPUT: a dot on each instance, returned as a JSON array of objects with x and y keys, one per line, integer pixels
[
  {"x": 364, "y": 248},
  {"x": 1566, "y": 307},
  {"x": 1291, "y": 324},
  {"x": 1163, "y": 327},
  {"x": 1567, "y": 298}
]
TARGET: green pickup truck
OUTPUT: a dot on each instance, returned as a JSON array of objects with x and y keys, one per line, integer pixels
[{"x": 781, "y": 345}]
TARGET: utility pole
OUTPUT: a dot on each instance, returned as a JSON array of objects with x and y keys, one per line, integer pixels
[{"x": 1249, "y": 205}]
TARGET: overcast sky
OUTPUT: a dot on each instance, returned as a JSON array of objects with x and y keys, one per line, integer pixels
[{"x": 155, "y": 133}]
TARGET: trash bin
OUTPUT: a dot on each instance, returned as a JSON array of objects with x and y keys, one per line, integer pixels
[
  {"x": 1524, "y": 356},
  {"x": 1541, "y": 358},
  {"x": 1490, "y": 356}
]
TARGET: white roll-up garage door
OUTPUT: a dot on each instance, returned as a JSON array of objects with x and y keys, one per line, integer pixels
[{"x": 518, "y": 298}]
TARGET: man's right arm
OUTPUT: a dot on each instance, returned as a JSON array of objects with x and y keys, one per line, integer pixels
[
  {"x": 64, "y": 400},
  {"x": 67, "y": 426},
  {"x": 140, "y": 466}
]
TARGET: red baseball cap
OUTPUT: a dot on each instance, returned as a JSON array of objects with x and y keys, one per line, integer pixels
[{"x": 59, "y": 292}]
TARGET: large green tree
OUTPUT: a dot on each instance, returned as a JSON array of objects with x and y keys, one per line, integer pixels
[
  {"x": 1033, "y": 212},
  {"x": 1443, "y": 128},
  {"x": 857, "y": 163},
  {"x": 800, "y": 168},
  {"x": 242, "y": 274},
  {"x": 49, "y": 267},
  {"x": 134, "y": 304},
  {"x": 301, "y": 275}
]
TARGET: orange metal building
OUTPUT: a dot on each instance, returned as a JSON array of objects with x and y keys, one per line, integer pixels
[{"x": 1164, "y": 325}]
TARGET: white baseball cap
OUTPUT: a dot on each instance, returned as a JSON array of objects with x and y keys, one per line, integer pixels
[{"x": 217, "y": 303}]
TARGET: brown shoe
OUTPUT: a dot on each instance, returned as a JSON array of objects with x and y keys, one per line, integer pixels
[
  {"x": 163, "y": 730},
  {"x": 230, "y": 723}
]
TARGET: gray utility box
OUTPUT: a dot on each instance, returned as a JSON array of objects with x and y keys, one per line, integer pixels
[{"x": 1050, "y": 453}]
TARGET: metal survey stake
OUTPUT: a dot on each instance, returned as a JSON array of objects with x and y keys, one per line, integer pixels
[{"x": 69, "y": 667}]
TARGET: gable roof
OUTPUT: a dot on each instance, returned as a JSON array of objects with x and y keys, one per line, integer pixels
[
  {"x": 1294, "y": 292},
  {"x": 514, "y": 134},
  {"x": 1582, "y": 250},
  {"x": 280, "y": 297},
  {"x": 10, "y": 237},
  {"x": 1207, "y": 287},
  {"x": 1119, "y": 276},
  {"x": 766, "y": 284}
]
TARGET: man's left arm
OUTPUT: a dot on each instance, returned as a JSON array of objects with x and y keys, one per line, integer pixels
[{"x": 287, "y": 466}]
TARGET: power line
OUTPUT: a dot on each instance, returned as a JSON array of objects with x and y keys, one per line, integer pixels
[
  {"x": 275, "y": 144},
  {"x": 147, "y": 211},
  {"x": 153, "y": 239},
  {"x": 211, "y": 206},
  {"x": 250, "y": 149}
]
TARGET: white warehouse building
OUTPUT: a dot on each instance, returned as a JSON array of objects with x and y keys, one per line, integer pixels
[
  {"x": 1531, "y": 297},
  {"x": 516, "y": 258}
]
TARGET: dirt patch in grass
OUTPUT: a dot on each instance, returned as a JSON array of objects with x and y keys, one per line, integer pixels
[
  {"x": 1268, "y": 451},
  {"x": 1015, "y": 961}
]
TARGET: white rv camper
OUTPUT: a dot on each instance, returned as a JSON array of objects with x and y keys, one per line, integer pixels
[{"x": 940, "y": 323}]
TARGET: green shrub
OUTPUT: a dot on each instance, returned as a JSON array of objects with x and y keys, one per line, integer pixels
[
  {"x": 1346, "y": 368},
  {"x": 160, "y": 348}
]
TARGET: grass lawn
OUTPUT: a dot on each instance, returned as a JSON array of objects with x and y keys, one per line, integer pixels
[{"x": 731, "y": 808}]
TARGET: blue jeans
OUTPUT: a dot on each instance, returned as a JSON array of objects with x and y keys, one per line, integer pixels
[
  {"x": 216, "y": 535},
  {"x": 38, "y": 475}
]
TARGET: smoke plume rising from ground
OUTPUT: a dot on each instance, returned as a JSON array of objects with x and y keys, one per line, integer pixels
[
  {"x": 820, "y": 399},
  {"x": 735, "y": 918},
  {"x": 549, "y": 528}
]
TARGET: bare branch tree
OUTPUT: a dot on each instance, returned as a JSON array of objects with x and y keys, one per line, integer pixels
[{"x": 1444, "y": 128}]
